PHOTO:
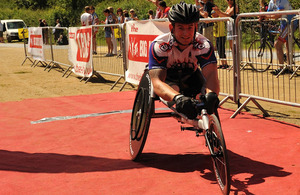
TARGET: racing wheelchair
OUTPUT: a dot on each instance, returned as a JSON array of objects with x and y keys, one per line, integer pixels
[{"x": 206, "y": 124}]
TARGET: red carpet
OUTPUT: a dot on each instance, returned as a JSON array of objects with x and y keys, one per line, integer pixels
[{"x": 90, "y": 155}]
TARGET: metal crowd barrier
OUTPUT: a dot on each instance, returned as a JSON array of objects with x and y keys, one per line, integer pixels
[
  {"x": 59, "y": 48},
  {"x": 253, "y": 70},
  {"x": 114, "y": 65},
  {"x": 226, "y": 74},
  {"x": 27, "y": 56},
  {"x": 244, "y": 78}
]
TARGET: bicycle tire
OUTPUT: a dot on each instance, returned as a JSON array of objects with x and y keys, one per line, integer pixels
[
  {"x": 140, "y": 118},
  {"x": 260, "y": 57},
  {"x": 216, "y": 142}
]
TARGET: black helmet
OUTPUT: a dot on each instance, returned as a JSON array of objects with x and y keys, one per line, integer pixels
[{"x": 183, "y": 13}]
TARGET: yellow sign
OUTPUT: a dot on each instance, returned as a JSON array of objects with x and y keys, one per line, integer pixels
[
  {"x": 117, "y": 32},
  {"x": 23, "y": 32}
]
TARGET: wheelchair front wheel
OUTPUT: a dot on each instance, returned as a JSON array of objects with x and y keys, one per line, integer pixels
[{"x": 216, "y": 142}]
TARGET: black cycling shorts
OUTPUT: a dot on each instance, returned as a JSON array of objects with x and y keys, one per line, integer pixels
[{"x": 190, "y": 85}]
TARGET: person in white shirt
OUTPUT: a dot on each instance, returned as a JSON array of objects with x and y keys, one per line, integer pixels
[{"x": 86, "y": 18}]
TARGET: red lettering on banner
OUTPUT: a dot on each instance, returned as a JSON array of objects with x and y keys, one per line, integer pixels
[
  {"x": 82, "y": 69},
  {"x": 72, "y": 35},
  {"x": 36, "y": 41},
  {"x": 135, "y": 76},
  {"x": 139, "y": 47},
  {"x": 134, "y": 29},
  {"x": 83, "y": 39}
]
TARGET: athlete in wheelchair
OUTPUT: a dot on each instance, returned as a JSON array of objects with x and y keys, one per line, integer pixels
[{"x": 173, "y": 76}]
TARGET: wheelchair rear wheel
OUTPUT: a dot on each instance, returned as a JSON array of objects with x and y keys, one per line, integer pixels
[{"x": 141, "y": 117}]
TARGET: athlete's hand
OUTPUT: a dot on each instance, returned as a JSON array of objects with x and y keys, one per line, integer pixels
[
  {"x": 186, "y": 106},
  {"x": 212, "y": 102}
]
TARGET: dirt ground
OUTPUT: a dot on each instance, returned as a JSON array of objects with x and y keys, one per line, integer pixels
[{"x": 25, "y": 82}]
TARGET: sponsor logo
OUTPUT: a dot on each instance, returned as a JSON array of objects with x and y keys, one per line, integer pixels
[
  {"x": 36, "y": 41},
  {"x": 83, "y": 40},
  {"x": 164, "y": 47},
  {"x": 139, "y": 47},
  {"x": 134, "y": 29},
  {"x": 198, "y": 45},
  {"x": 72, "y": 35},
  {"x": 81, "y": 69}
]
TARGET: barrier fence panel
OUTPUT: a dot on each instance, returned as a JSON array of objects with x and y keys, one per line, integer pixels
[
  {"x": 257, "y": 59},
  {"x": 103, "y": 62},
  {"x": 59, "y": 46},
  {"x": 46, "y": 46},
  {"x": 250, "y": 56},
  {"x": 25, "y": 43},
  {"x": 222, "y": 36},
  {"x": 36, "y": 46}
]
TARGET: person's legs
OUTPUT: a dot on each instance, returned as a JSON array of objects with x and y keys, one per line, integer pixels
[
  {"x": 279, "y": 51},
  {"x": 220, "y": 42},
  {"x": 111, "y": 46},
  {"x": 94, "y": 44},
  {"x": 279, "y": 43},
  {"x": 109, "y": 43},
  {"x": 222, "y": 51},
  {"x": 208, "y": 33},
  {"x": 115, "y": 46}
]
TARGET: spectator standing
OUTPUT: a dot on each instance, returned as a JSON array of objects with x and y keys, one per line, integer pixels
[
  {"x": 206, "y": 13},
  {"x": 120, "y": 16},
  {"x": 45, "y": 31},
  {"x": 126, "y": 16},
  {"x": 133, "y": 15},
  {"x": 158, "y": 11},
  {"x": 113, "y": 38},
  {"x": 121, "y": 20},
  {"x": 41, "y": 24},
  {"x": 95, "y": 21},
  {"x": 280, "y": 5},
  {"x": 56, "y": 31},
  {"x": 220, "y": 36},
  {"x": 263, "y": 6},
  {"x": 86, "y": 18},
  {"x": 150, "y": 14},
  {"x": 108, "y": 32},
  {"x": 199, "y": 5},
  {"x": 164, "y": 9},
  {"x": 1, "y": 32},
  {"x": 228, "y": 13},
  {"x": 113, "y": 15}
]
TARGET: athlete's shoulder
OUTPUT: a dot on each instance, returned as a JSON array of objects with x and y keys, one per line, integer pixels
[
  {"x": 163, "y": 43},
  {"x": 201, "y": 44}
]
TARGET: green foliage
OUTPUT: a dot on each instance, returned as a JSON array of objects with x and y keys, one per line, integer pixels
[
  {"x": 69, "y": 11},
  {"x": 32, "y": 4}
]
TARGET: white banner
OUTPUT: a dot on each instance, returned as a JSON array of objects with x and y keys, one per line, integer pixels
[
  {"x": 139, "y": 35},
  {"x": 35, "y": 43},
  {"x": 80, "y": 50}
]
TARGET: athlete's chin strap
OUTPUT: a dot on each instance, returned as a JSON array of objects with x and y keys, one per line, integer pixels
[{"x": 171, "y": 27}]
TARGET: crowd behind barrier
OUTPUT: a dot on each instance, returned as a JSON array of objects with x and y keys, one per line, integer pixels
[{"x": 247, "y": 75}]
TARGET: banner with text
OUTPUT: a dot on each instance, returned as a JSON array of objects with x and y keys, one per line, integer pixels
[
  {"x": 35, "y": 43},
  {"x": 139, "y": 35},
  {"x": 80, "y": 50}
]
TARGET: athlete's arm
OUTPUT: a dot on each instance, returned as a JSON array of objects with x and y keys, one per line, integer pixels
[
  {"x": 211, "y": 75},
  {"x": 161, "y": 88}
]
